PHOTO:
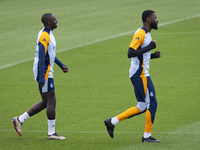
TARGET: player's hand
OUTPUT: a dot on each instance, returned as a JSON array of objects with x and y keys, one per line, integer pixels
[
  {"x": 154, "y": 41},
  {"x": 158, "y": 54},
  {"x": 65, "y": 69}
]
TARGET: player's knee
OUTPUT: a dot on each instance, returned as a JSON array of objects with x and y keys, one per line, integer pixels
[{"x": 141, "y": 106}]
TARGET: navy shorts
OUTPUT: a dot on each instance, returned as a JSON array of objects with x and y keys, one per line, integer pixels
[{"x": 48, "y": 86}]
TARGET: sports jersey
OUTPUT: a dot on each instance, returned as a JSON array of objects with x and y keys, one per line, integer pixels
[
  {"x": 44, "y": 56},
  {"x": 140, "y": 64}
]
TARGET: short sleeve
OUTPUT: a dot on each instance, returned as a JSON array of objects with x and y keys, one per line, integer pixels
[
  {"x": 44, "y": 40},
  {"x": 138, "y": 39}
]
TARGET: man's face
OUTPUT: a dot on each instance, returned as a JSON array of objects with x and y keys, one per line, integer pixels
[
  {"x": 54, "y": 22},
  {"x": 154, "y": 21}
]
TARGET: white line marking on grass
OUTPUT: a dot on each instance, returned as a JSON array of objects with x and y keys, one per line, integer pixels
[
  {"x": 97, "y": 41},
  {"x": 179, "y": 20},
  {"x": 15, "y": 63},
  {"x": 99, "y": 132}
]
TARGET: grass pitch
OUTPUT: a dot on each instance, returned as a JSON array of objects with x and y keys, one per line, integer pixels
[{"x": 92, "y": 40}]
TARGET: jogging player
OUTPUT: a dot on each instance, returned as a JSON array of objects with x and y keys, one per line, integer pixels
[{"x": 140, "y": 53}]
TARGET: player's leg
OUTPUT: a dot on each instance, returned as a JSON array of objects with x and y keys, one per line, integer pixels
[
  {"x": 139, "y": 90},
  {"x": 50, "y": 99},
  {"x": 151, "y": 111},
  {"x": 17, "y": 121},
  {"x": 48, "y": 94},
  {"x": 111, "y": 122},
  {"x": 36, "y": 108},
  {"x": 51, "y": 115},
  {"x": 140, "y": 108}
]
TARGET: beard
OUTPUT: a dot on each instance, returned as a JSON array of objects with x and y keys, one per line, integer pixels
[{"x": 154, "y": 26}]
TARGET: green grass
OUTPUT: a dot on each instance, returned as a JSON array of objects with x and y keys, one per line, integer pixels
[{"x": 91, "y": 43}]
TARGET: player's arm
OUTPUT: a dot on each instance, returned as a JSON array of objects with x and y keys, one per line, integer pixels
[
  {"x": 61, "y": 65},
  {"x": 41, "y": 63},
  {"x": 43, "y": 43},
  {"x": 157, "y": 54},
  {"x": 133, "y": 53}
]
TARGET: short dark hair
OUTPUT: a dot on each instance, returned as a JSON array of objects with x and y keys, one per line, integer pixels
[
  {"x": 45, "y": 18},
  {"x": 146, "y": 14}
]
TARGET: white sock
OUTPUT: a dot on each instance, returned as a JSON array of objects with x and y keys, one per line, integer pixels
[
  {"x": 146, "y": 135},
  {"x": 51, "y": 126},
  {"x": 114, "y": 120},
  {"x": 23, "y": 117}
]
